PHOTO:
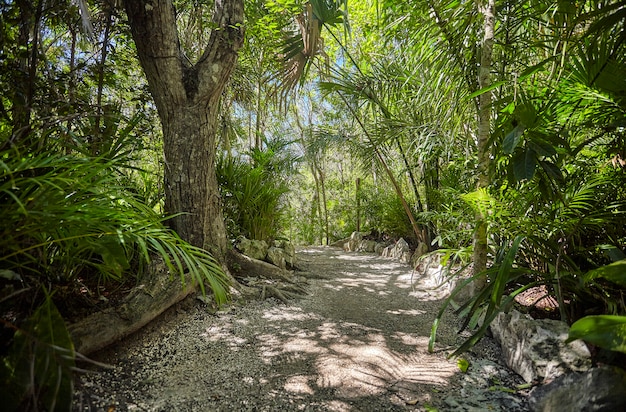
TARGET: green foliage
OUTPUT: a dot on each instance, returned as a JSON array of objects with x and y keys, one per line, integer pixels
[
  {"x": 253, "y": 192},
  {"x": 480, "y": 310},
  {"x": 68, "y": 217},
  {"x": 463, "y": 364},
  {"x": 37, "y": 372},
  {"x": 605, "y": 331},
  {"x": 615, "y": 272},
  {"x": 393, "y": 219}
]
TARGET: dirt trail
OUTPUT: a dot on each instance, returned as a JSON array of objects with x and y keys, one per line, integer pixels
[{"x": 358, "y": 342}]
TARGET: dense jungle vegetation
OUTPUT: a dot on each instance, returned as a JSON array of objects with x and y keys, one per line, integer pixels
[{"x": 491, "y": 131}]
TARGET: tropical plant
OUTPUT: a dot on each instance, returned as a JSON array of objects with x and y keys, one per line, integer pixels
[
  {"x": 606, "y": 331},
  {"x": 556, "y": 205},
  {"x": 70, "y": 226},
  {"x": 253, "y": 191}
]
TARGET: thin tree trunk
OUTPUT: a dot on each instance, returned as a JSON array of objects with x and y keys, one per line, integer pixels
[
  {"x": 418, "y": 233},
  {"x": 312, "y": 239},
  {"x": 96, "y": 142},
  {"x": 71, "y": 92},
  {"x": 28, "y": 39},
  {"x": 484, "y": 132},
  {"x": 325, "y": 204},
  {"x": 258, "y": 133},
  {"x": 412, "y": 179},
  {"x": 358, "y": 203},
  {"x": 318, "y": 203}
]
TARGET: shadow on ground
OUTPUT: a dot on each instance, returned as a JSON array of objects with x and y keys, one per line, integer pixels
[{"x": 358, "y": 342}]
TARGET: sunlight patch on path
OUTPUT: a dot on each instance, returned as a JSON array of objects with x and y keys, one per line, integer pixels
[{"x": 352, "y": 359}]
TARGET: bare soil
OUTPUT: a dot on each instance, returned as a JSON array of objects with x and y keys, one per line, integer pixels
[{"x": 357, "y": 342}]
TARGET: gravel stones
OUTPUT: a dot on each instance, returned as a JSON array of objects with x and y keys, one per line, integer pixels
[{"x": 357, "y": 342}]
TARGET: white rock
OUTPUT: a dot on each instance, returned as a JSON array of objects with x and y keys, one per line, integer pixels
[
  {"x": 536, "y": 348},
  {"x": 256, "y": 249}
]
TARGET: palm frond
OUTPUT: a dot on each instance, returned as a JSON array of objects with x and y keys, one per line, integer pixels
[{"x": 69, "y": 216}]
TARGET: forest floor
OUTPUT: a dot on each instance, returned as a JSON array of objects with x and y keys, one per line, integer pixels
[{"x": 357, "y": 342}]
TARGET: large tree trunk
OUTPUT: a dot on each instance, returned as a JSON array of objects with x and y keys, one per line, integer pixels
[
  {"x": 190, "y": 182},
  {"x": 187, "y": 97}
]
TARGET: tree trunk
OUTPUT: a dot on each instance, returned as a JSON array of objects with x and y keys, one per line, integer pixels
[
  {"x": 30, "y": 16},
  {"x": 187, "y": 98},
  {"x": 156, "y": 292},
  {"x": 484, "y": 132},
  {"x": 190, "y": 181}
]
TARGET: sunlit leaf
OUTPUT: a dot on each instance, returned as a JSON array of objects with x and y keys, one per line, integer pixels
[
  {"x": 605, "y": 331},
  {"x": 463, "y": 364},
  {"x": 614, "y": 272}
]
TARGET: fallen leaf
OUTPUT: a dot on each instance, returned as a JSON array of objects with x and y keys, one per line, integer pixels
[{"x": 463, "y": 365}]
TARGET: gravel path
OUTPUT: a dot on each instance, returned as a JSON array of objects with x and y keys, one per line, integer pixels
[{"x": 357, "y": 342}]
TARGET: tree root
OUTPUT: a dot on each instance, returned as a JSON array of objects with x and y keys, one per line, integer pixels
[
  {"x": 242, "y": 266},
  {"x": 251, "y": 279}
]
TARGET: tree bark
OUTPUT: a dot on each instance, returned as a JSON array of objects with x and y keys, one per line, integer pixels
[
  {"x": 187, "y": 98},
  {"x": 245, "y": 266},
  {"x": 484, "y": 133},
  {"x": 156, "y": 293},
  {"x": 30, "y": 15}
]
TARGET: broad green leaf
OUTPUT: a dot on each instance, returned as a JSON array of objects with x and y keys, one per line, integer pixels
[
  {"x": 42, "y": 354},
  {"x": 552, "y": 170},
  {"x": 511, "y": 140},
  {"x": 613, "y": 252},
  {"x": 605, "y": 331},
  {"x": 542, "y": 147},
  {"x": 614, "y": 272},
  {"x": 524, "y": 164}
]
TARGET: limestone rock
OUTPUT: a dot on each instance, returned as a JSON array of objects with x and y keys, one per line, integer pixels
[
  {"x": 401, "y": 251},
  {"x": 599, "y": 389},
  {"x": 353, "y": 243},
  {"x": 378, "y": 249},
  {"x": 387, "y": 251},
  {"x": 366, "y": 246},
  {"x": 340, "y": 243},
  {"x": 276, "y": 257},
  {"x": 289, "y": 252},
  {"x": 256, "y": 249},
  {"x": 405, "y": 257},
  {"x": 536, "y": 349},
  {"x": 477, "y": 389}
]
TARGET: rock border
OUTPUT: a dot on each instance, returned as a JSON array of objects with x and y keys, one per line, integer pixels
[{"x": 535, "y": 349}]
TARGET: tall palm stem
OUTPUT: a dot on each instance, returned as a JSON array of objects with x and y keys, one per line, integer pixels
[{"x": 484, "y": 132}]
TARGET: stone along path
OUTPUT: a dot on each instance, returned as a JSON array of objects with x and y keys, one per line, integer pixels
[{"x": 357, "y": 342}]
